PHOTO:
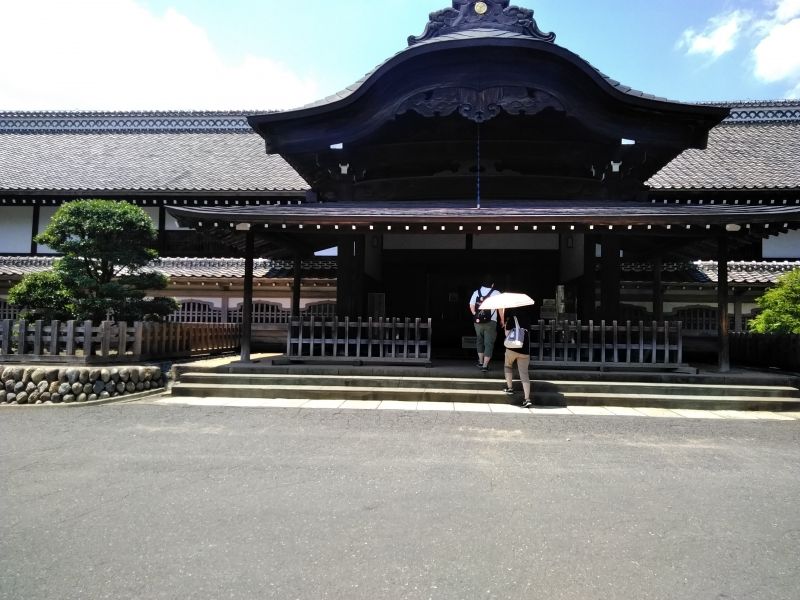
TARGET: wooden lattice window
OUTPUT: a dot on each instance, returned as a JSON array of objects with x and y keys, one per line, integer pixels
[
  {"x": 322, "y": 309},
  {"x": 263, "y": 312},
  {"x": 697, "y": 319},
  {"x": 8, "y": 311},
  {"x": 194, "y": 311}
]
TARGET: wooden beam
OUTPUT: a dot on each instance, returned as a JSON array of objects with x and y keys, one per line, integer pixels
[
  {"x": 247, "y": 304},
  {"x": 722, "y": 303}
]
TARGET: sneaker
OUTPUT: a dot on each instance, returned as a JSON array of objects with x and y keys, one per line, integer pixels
[
  {"x": 527, "y": 404},
  {"x": 479, "y": 365},
  {"x": 509, "y": 391},
  {"x": 484, "y": 368}
]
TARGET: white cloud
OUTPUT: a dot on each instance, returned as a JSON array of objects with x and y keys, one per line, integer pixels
[
  {"x": 116, "y": 55},
  {"x": 777, "y": 54},
  {"x": 719, "y": 37},
  {"x": 787, "y": 10}
]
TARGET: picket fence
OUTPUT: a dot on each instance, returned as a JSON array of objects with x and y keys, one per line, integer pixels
[
  {"x": 638, "y": 343},
  {"x": 383, "y": 340},
  {"x": 83, "y": 343}
]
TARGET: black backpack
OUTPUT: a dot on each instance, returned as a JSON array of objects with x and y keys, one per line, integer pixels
[{"x": 482, "y": 316}]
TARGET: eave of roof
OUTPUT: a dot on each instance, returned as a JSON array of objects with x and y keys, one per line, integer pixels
[{"x": 516, "y": 212}]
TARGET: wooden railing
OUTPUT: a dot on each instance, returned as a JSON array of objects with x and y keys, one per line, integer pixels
[
  {"x": 602, "y": 343},
  {"x": 777, "y": 350},
  {"x": 369, "y": 340},
  {"x": 81, "y": 342}
]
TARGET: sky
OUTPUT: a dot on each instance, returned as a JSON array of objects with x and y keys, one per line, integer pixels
[{"x": 279, "y": 54}]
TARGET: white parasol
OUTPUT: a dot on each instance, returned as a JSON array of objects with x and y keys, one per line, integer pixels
[{"x": 506, "y": 300}]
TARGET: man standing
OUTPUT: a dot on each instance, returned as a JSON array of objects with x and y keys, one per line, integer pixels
[{"x": 485, "y": 322}]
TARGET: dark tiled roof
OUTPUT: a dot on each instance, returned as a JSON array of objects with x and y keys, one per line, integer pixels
[
  {"x": 739, "y": 156},
  {"x": 758, "y": 147},
  {"x": 322, "y": 268},
  {"x": 474, "y": 34},
  {"x": 739, "y": 272},
  {"x": 128, "y": 152}
]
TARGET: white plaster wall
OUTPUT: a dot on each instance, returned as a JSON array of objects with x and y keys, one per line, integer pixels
[
  {"x": 215, "y": 302},
  {"x": 45, "y": 216},
  {"x": 16, "y": 224},
  {"x": 422, "y": 241},
  {"x": 786, "y": 245},
  {"x": 170, "y": 224},
  {"x": 152, "y": 212},
  {"x": 517, "y": 241}
]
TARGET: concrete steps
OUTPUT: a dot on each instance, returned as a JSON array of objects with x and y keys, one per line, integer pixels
[{"x": 547, "y": 392}]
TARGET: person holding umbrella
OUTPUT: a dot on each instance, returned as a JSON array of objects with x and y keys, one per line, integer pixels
[{"x": 516, "y": 320}]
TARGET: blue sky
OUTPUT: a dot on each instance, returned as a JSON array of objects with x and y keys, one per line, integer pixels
[{"x": 272, "y": 54}]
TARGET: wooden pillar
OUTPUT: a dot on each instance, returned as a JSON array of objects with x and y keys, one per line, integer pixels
[
  {"x": 296, "y": 286},
  {"x": 226, "y": 307},
  {"x": 162, "y": 230},
  {"x": 611, "y": 278},
  {"x": 588, "y": 282},
  {"x": 658, "y": 289},
  {"x": 35, "y": 229},
  {"x": 247, "y": 305},
  {"x": 722, "y": 303}
]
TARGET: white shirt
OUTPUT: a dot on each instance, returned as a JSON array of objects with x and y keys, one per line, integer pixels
[{"x": 484, "y": 292}]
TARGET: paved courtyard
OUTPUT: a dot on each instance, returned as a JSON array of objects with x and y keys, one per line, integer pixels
[{"x": 179, "y": 501}]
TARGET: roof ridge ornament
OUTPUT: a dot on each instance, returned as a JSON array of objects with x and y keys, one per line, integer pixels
[{"x": 482, "y": 14}]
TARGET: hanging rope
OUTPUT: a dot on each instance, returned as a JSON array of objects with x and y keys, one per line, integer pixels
[{"x": 478, "y": 177}]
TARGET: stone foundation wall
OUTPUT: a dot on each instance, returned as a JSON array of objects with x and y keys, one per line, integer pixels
[{"x": 54, "y": 385}]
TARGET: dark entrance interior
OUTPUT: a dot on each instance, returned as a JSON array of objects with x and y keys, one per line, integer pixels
[{"x": 438, "y": 284}]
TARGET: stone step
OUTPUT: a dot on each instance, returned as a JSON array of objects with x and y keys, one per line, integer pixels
[
  {"x": 493, "y": 384},
  {"x": 664, "y": 389},
  {"x": 344, "y": 381},
  {"x": 351, "y": 392},
  {"x": 700, "y": 402},
  {"x": 545, "y": 393}
]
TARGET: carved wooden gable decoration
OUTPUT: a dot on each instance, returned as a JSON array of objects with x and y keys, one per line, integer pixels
[
  {"x": 469, "y": 14},
  {"x": 550, "y": 124}
]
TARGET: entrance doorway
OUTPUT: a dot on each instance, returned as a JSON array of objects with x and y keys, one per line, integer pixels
[{"x": 439, "y": 285}]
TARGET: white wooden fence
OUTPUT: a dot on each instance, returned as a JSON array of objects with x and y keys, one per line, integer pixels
[
  {"x": 81, "y": 342},
  {"x": 392, "y": 340},
  {"x": 607, "y": 343}
]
